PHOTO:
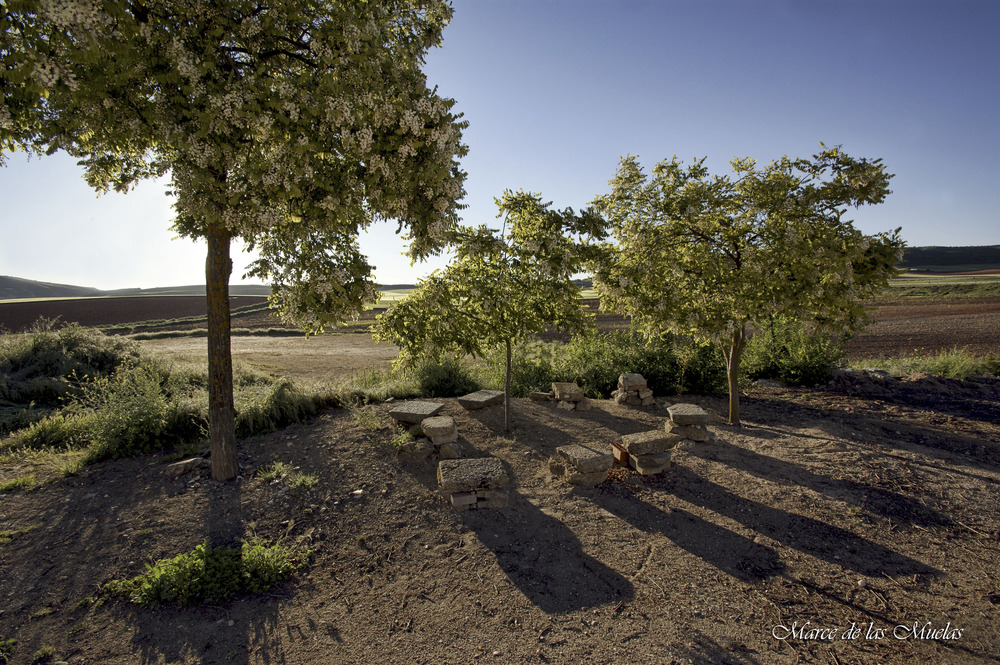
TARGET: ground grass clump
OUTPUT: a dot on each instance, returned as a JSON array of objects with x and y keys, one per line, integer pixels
[
  {"x": 954, "y": 363},
  {"x": 211, "y": 575}
]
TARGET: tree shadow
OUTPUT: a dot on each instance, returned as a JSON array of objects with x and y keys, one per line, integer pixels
[
  {"x": 889, "y": 504},
  {"x": 544, "y": 559},
  {"x": 733, "y": 554},
  {"x": 810, "y": 536}
]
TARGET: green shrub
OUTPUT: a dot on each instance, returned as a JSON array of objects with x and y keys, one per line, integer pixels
[
  {"x": 7, "y": 649},
  {"x": 953, "y": 364},
  {"x": 129, "y": 412},
  {"x": 209, "y": 574},
  {"x": 72, "y": 429},
  {"x": 794, "y": 353},
  {"x": 444, "y": 377},
  {"x": 266, "y": 407}
]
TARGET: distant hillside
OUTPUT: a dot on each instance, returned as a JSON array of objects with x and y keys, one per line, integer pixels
[
  {"x": 13, "y": 288},
  {"x": 952, "y": 259}
]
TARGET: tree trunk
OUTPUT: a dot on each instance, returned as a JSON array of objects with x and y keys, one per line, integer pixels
[
  {"x": 506, "y": 394},
  {"x": 221, "y": 413},
  {"x": 733, "y": 355}
]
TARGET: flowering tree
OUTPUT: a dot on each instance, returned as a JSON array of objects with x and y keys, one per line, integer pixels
[
  {"x": 501, "y": 287},
  {"x": 290, "y": 125},
  {"x": 710, "y": 256}
]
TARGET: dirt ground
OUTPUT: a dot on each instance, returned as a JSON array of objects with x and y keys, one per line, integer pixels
[{"x": 851, "y": 524}]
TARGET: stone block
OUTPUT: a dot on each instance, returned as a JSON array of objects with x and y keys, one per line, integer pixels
[
  {"x": 440, "y": 429},
  {"x": 416, "y": 450},
  {"x": 463, "y": 498},
  {"x": 567, "y": 406},
  {"x": 564, "y": 469},
  {"x": 178, "y": 469},
  {"x": 539, "y": 396},
  {"x": 688, "y": 414},
  {"x": 415, "y": 412},
  {"x": 648, "y": 401},
  {"x": 567, "y": 392},
  {"x": 693, "y": 432},
  {"x": 645, "y": 443},
  {"x": 481, "y": 399},
  {"x": 631, "y": 382},
  {"x": 450, "y": 451},
  {"x": 492, "y": 498},
  {"x": 644, "y": 394},
  {"x": 585, "y": 459},
  {"x": 649, "y": 465},
  {"x": 633, "y": 400},
  {"x": 471, "y": 474},
  {"x": 583, "y": 405},
  {"x": 621, "y": 397}
]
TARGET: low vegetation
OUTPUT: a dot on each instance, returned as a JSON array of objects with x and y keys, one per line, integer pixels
[{"x": 952, "y": 364}]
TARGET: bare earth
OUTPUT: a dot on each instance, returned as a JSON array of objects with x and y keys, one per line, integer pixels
[{"x": 869, "y": 504}]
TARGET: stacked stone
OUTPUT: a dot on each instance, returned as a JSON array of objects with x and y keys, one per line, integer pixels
[
  {"x": 689, "y": 422},
  {"x": 632, "y": 390},
  {"x": 471, "y": 484},
  {"x": 437, "y": 436},
  {"x": 580, "y": 465},
  {"x": 646, "y": 452},
  {"x": 568, "y": 395}
]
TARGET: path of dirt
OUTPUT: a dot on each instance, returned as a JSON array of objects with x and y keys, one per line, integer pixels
[{"x": 869, "y": 504}]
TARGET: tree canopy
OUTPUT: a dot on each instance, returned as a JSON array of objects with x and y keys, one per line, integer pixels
[
  {"x": 502, "y": 285},
  {"x": 709, "y": 256},
  {"x": 291, "y": 125}
]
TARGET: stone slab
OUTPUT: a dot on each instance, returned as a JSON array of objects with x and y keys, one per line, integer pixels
[
  {"x": 440, "y": 429},
  {"x": 585, "y": 459},
  {"x": 414, "y": 412},
  {"x": 696, "y": 433},
  {"x": 645, "y": 443},
  {"x": 481, "y": 399},
  {"x": 649, "y": 465},
  {"x": 471, "y": 474},
  {"x": 178, "y": 469},
  {"x": 631, "y": 382},
  {"x": 451, "y": 450},
  {"x": 566, "y": 406},
  {"x": 539, "y": 396},
  {"x": 688, "y": 414},
  {"x": 567, "y": 392},
  {"x": 564, "y": 470}
]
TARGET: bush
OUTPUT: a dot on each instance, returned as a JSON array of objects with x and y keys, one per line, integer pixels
[
  {"x": 209, "y": 574},
  {"x": 129, "y": 413},
  {"x": 262, "y": 408},
  {"x": 444, "y": 377},
  {"x": 791, "y": 352}
]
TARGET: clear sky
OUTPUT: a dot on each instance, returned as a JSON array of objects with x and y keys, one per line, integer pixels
[{"x": 555, "y": 91}]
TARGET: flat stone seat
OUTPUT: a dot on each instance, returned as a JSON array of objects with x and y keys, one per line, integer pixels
[
  {"x": 649, "y": 465},
  {"x": 688, "y": 414},
  {"x": 471, "y": 474},
  {"x": 584, "y": 459},
  {"x": 697, "y": 433},
  {"x": 567, "y": 392},
  {"x": 414, "y": 412},
  {"x": 632, "y": 382},
  {"x": 440, "y": 429},
  {"x": 647, "y": 443},
  {"x": 481, "y": 399}
]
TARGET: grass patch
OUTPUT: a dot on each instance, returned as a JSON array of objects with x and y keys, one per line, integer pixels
[
  {"x": 9, "y": 535},
  {"x": 211, "y": 575},
  {"x": 302, "y": 481},
  {"x": 955, "y": 363},
  {"x": 46, "y": 654},
  {"x": 293, "y": 479},
  {"x": 23, "y": 483},
  {"x": 7, "y": 649}
]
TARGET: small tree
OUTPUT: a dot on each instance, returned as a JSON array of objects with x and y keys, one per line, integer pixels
[
  {"x": 290, "y": 125},
  {"x": 710, "y": 256},
  {"x": 501, "y": 287}
]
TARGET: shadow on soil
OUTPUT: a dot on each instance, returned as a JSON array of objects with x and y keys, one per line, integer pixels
[{"x": 543, "y": 558}]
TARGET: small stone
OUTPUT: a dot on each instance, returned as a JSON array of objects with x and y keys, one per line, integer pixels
[
  {"x": 440, "y": 429},
  {"x": 416, "y": 450},
  {"x": 654, "y": 441},
  {"x": 583, "y": 405},
  {"x": 567, "y": 392},
  {"x": 648, "y": 401},
  {"x": 178, "y": 469},
  {"x": 538, "y": 396},
  {"x": 567, "y": 406},
  {"x": 450, "y": 451},
  {"x": 621, "y": 397},
  {"x": 688, "y": 414},
  {"x": 481, "y": 399},
  {"x": 645, "y": 394},
  {"x": 692, "y": 432},
  {"x": 414, "y": 412}
]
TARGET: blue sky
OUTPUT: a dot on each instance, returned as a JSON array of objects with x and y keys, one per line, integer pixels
[{"x": 556, "y": 91}]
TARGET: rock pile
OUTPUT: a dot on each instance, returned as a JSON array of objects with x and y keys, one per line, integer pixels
[
  {"x": 568, "y": 395},
  {"x": 632, "y": 390},
  {"x": 689, "y": 423},
  {"x": 580, "y": 465},
  {"x": 646, "y": 452},
  {"x": 470, "y": 484},
  {"x": 443, "y": 441}
]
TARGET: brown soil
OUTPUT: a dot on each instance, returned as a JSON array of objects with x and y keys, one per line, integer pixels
[{"x": 870, "y": 503}]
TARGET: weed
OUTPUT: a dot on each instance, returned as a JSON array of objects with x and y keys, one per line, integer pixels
[
  {"x": 444, "y": 377},
  {"x": 71, "y": 466},
  {"x": 952, "y": 364},
  {"x": 210, "y": 575},
  {"x": 7, "y": 648},
  {"x": 79, "y": 628},
  {"x": 276, "y": 471},
  {"x": 364, "y": 415},
  {"x": 141, "y": 535},
  {"x": 44, "y": 655},
  {"x": 401, "y": 438},
  {"x": 26, "y": 483},
  {"x": 11, "y": 534},
  {"x": 44, "y": 612},
  {"x": 302, "y": 481}
]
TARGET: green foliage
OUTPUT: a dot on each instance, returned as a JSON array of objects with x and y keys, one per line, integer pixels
[
  {"x": 25, "y": 483},
  {"x": 954, "y": 363},
  {"x": 302, "y": 481},
  {"x": 710, "y": 257},
  {"x": 11, "y": 534},
  {"x": 270, "y": 407},
  {"x": 7, "y": 649},
  {"x": 444, "y": 377},
  {"x": 273, "y": 472},
  {"x": 792, "y": 352},
  {"x": 129, "y": 412},
  {"x": 46, "y": 654},
  {"x": 294, "y": 479},
  {"x": 211, "y": 575}
]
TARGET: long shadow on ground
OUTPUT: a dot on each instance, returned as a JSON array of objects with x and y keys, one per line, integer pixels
[{"x": 543, "y": 558}]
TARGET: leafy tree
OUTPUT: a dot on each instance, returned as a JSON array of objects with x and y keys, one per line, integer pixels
[
  {"x": 502, "y": 286},
  {"x": 712, "y": 256},
  {"x": 290, "y": 125}
]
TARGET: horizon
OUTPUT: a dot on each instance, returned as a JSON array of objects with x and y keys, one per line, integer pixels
[{"x": 556, "y": 92}]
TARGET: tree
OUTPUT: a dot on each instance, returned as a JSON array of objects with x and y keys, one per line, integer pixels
[
  {"x": 502, "y": 286},
  {"x": 290, "y": 125},
  {"x": 712, "y": 256}
]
